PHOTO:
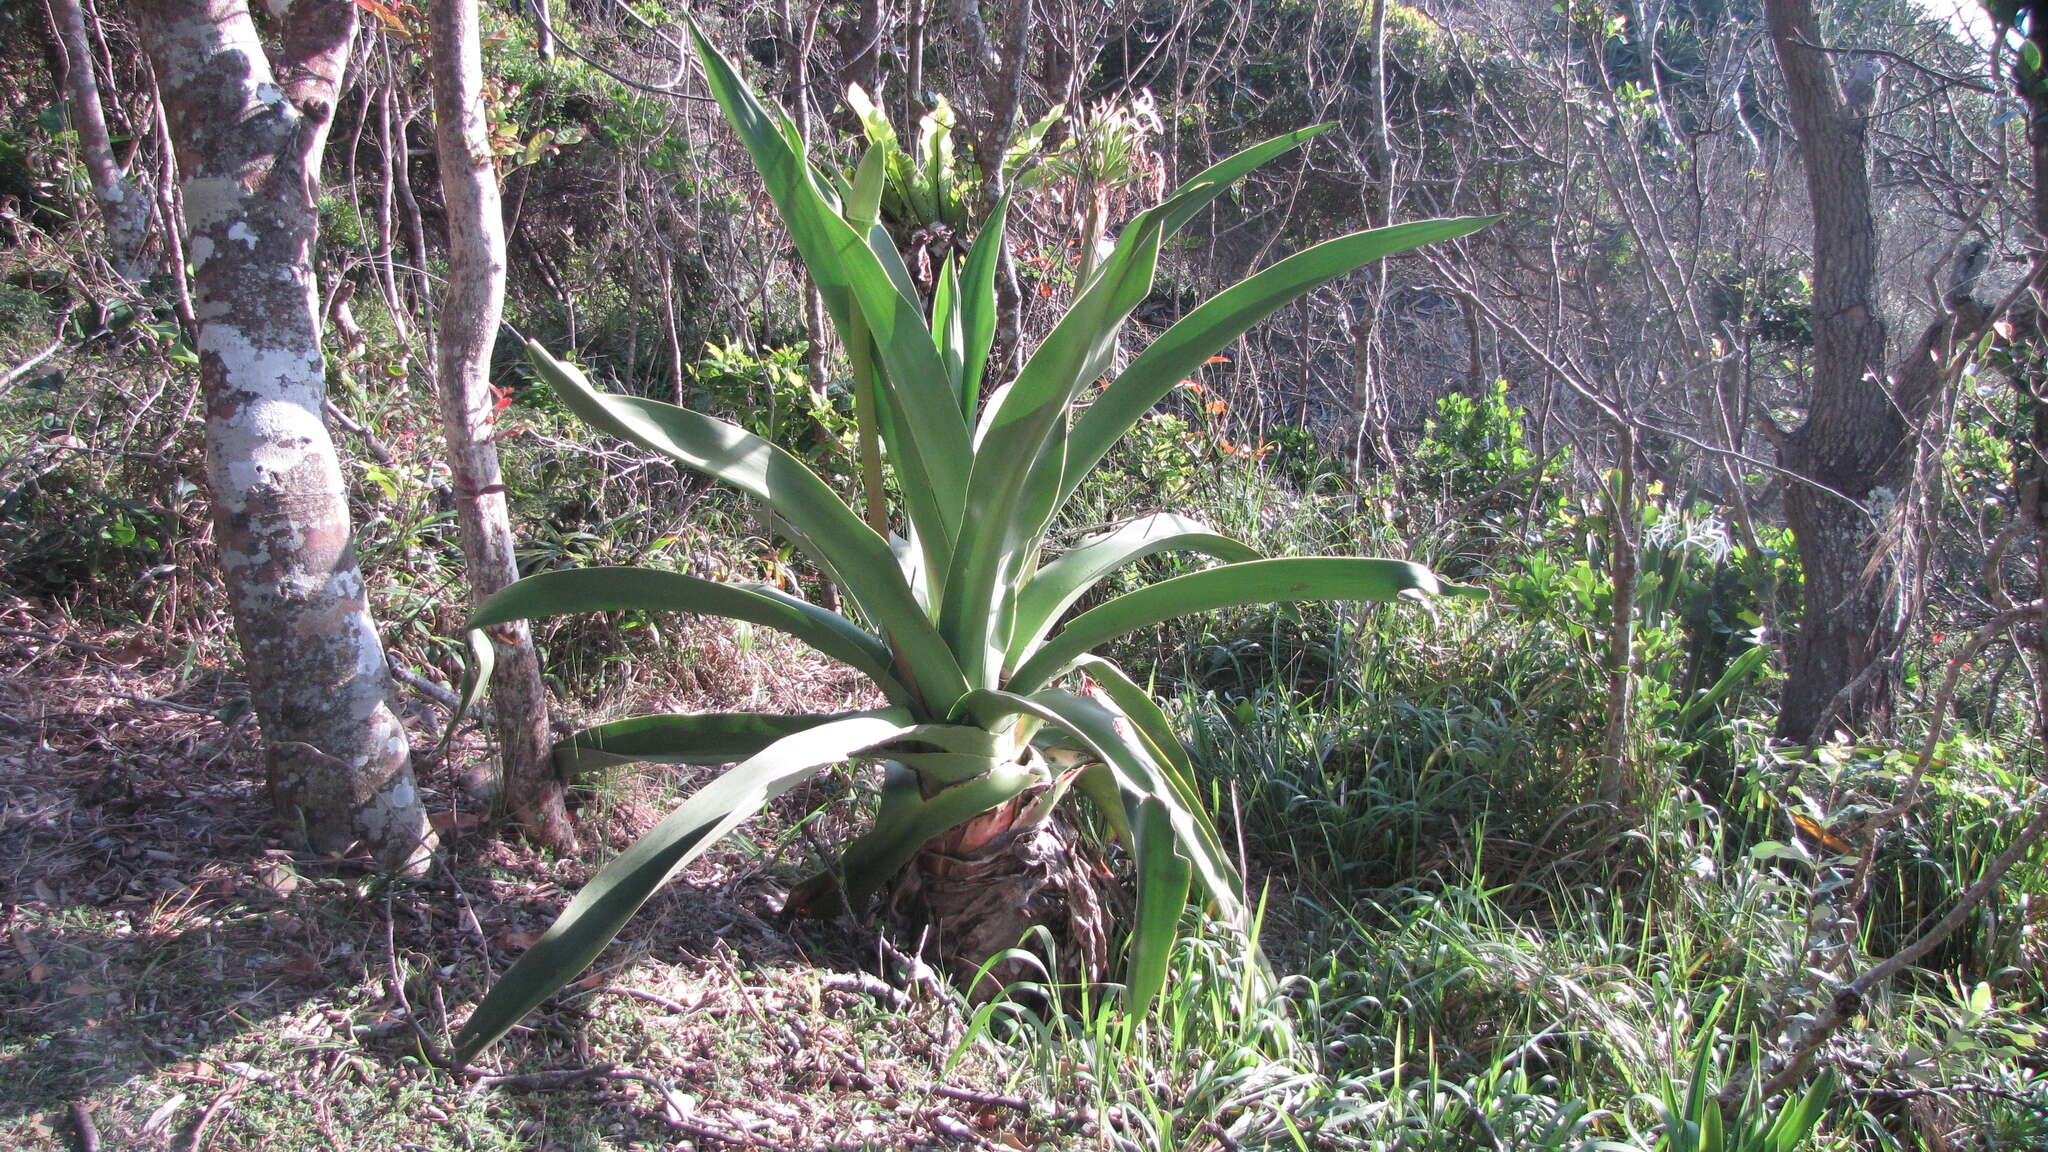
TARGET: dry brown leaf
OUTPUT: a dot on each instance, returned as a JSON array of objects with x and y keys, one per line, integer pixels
[{"x": 512, "y": 941}]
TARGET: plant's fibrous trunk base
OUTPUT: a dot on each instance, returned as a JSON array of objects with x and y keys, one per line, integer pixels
[{"x": 978, "y": 890}]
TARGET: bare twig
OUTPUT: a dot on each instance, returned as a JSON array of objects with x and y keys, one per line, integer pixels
[
  {"x": 541, "y": 1081},
  {"x": 654, "y": 998},
  {"x": 866, "y": 984},
  {"x": 47, "y": 638},
  {"x": 29, "y": 365},
  {"x": 188, "y": 709},
  {"x": 1948, "y": 79},
  {"x": 1944, "y": 698},
  {"x": 989, "y": 1099},
  {"x": 1787, "y": 1068},
  {"x": 425, "y": 687},
  {"x": 371, "y": 443},
  {"x": 672, "y": 1116},
  {"x": 253, "y": 1074},
  {"x": 196, "y": 1141}
]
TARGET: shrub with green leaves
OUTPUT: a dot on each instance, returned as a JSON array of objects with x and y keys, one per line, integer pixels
[{"x": 959, "y": 615}]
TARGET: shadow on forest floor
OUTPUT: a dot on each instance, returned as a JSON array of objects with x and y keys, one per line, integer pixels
[{"x": 174, "y": 977}]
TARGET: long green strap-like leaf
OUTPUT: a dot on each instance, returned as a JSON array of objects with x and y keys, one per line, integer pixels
[
  {"x": 704, "y": 738},
  {"x": 1012, "y": 444},
  {"x": 1143, "y": 799},
  {"x": 828, "y": 529},
  {"x": 1050, "y": 593},
  {"x": 1164, "y": 876},
  {"x": 978, "y": 305},
  {"x": 575, "y": 590},
  {"x": 1280, "y": 581},
  {"x": 620, "y": 887},
  {"x": 1185, "y": 347},
  {"x": 1142, "y": 712},
  {"x": 946, "y": 329},
  {"x": 931, "y": 451}
]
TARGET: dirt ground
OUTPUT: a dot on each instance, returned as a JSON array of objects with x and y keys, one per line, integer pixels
[{"x": 172, "y": 977}]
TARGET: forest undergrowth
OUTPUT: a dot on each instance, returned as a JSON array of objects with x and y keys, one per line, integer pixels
[
  {"x": 1471, "y": 950},
  {"x": 1518, "y": 884}
]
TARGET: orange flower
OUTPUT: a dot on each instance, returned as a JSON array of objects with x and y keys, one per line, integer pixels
[
  {"x": 1194, "y": 386},
  {"x": 1215, "y": 407}
]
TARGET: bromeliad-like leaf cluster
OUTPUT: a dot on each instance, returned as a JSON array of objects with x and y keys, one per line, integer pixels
[{"x": 961, "y": 618}]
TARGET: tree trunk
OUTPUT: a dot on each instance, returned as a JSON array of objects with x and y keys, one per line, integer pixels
[
  {"x": 860, "y": 48},
  {"x": 248, "y": 147},
  {"x": 1855, "y": 440},
  {"x": 982, "y": 889},
  {"x": 471, "y": 306},
  {"x": 123, "y": 207}
]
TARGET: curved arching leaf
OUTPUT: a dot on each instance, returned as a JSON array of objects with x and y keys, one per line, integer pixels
[
  {"x": 623, "y": 885},
  {"x": 574, "y": 590},
  {"x": 822, "y": 523},
  {"x": 1172, "y": 842},
  {"x": 1185, "y": 347},
  {"x": 1119, "y": 692},
  {"x": 1205, "y": 186},
  {"x": 1279, "y": 581},
  {"x": 1054, "y": 589},
  {"x": 703, "y": 738}
]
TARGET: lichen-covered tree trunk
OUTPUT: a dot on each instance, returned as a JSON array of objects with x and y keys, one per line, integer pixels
[
  {"x": 471, "y": 306},
  {"x": 123, "y": 207},
  {"x": 248, "y": 141}
]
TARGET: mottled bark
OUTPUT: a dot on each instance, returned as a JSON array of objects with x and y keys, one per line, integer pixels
[
  {"x": 472, "y": 303},
  {"x": 248, "y": 143},
  {"x": 1856, "y": 440},
  {"x": 860, "y": 46},
  {"x": 123, "y": 207}
]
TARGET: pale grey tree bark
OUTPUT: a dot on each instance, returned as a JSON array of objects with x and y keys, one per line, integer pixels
[
  {"x": 472, "y": 303},
  {"x": 248, "y": 141},
  {"x": 123, "y": 207}
]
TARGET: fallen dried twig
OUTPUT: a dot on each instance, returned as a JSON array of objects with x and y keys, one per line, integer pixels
[
  {"x": 991, "y": 1099},
  {"x": 541, "y": 1081}
]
